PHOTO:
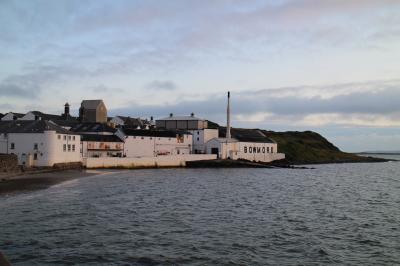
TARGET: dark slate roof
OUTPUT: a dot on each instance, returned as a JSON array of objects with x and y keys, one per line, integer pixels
[
  {"x": 154, "y": 133},
  {"x": 100, "y": 138},
  {"x": 46, "y": 116},
  {"x": 129, "y": 121},
  {"x": 92, "y": 127},
  {"x": 66, "y": 123},
  {"x": 246, "y": 135},
  {"x": 30, "y": 126},
  {"x": 1, "y": 115}
]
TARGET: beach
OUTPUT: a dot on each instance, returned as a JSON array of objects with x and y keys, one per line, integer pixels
[{"x": 35, "y": 181}]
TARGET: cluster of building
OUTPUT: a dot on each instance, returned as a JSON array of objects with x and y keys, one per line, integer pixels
[{"x": 40, "y": 139}]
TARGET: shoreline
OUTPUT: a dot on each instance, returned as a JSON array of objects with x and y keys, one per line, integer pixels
[{"x": 36, "y": 181}]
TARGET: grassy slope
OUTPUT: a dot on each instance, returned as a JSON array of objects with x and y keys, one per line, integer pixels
[{"x": 310, "y": 147}]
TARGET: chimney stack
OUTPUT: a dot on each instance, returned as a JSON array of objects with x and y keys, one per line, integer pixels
[{"x": 228, "y": 117}]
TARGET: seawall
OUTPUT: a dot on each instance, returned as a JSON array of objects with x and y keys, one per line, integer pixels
[{"x": 145, "y": 162}]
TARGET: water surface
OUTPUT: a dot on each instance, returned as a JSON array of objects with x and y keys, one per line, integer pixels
[{"x": 344, "y": 214}]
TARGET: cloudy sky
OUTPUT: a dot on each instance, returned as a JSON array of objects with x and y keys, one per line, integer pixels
[{"x": 332, "y": 66}]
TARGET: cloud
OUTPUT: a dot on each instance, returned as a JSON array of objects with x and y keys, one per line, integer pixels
[
  {"x": 362, "y": 104},
  {"x": 165, "y": 85},
  {"x": 104, "y": 89}
]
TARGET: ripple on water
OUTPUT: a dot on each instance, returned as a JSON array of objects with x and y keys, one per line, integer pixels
[{"x": 332, "y": 215}]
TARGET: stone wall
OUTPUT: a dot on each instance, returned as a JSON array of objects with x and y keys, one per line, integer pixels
[{"x": 8, "y": 163}]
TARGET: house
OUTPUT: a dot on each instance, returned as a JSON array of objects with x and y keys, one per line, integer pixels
[
  {"x": 39, "y": 142},
  {"x": 247, "y": 144},
  {"x": 181, "y": 122},
  {"x": 151, "y": 143},
  {"x": 93, "y": 111},
  {"x": 11, "y": 116},
  {"x": 94, "y": 145},
  {"x": 126, "y": 121},
  {"x": 200, "y": 129},
  {"x": 37, "y": 115}
]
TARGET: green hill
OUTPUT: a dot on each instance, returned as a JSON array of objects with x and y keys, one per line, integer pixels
[{"x": 310, "y": 147}]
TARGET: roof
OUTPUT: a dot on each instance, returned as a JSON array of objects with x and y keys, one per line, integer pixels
[
  {"x": 225, "y": 140},
  {"x": 100, "y": 138},
  {"x": 18, "y": 115},
  {"x": 70, "y": 122},
  {"x": 1, "y": 115},
  {"x": 154, "y": 133},
  {"x": 30, "y": 126},
  {"x": 46, "y": 116},
  {"x": 129, "y": 121},
  {"x": 92, "y": 127},
  {"x": 246, "y": 135},
  {"x": 91, "y": 104},
  {"x": 181, "y": 117}
]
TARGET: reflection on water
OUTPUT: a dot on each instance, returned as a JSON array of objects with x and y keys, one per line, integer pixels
[{"x": 334, "y": 214}]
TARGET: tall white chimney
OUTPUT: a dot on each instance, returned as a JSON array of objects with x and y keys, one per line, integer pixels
[{"x": 228, "y": 117}]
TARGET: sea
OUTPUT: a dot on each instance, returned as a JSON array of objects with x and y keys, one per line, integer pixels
[{"x": 334, "y": 214}]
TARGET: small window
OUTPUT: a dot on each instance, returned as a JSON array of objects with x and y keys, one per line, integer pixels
[
  {"x": 198, "y": 139},
  {"x": 73, "y": 147},
  {"x": 64, "y": 147},
  {"x": 272, "y": 149},
  {"x": 12, "y": 146},
  {"x": 142, "y": 137},
  {"x": 59, "y": 136},
  {"x": 73, "y": 138},
  {"x": 69, "y": 147},
  {"x": 35, "y": 156},
  {"x": 65, "y": 137},
  {"x": 151, "y": 137},
  {"x": 198, "y": 132},
  {"x": 35, "y": 146},
  {"x": 69, "y": 137}
]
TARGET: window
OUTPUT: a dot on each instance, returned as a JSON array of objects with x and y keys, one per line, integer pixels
[
  {"x": 69, "y": 147},
  {"x": 272, "y": 149},
  {"x": 12, "y": 146},
  {"x": 73, "y": 138},
  {"x": 59, "y": 136},
  {"x": 64, "y": 147},
  {"x": 198, "y": 138},
  {"x": 73, "y": 147},
  {"x": 69, "y": 137},
  {"x": 65, "y": 137},
  {"x": 142, "y": 137},
  {"x": 35, "y": 156},
  {"x": 35, "y": 146},
  {"x": 198, "y": 132}
]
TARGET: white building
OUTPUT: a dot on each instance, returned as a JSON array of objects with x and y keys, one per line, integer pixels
[
  {"x": 11, "y": 116},
  {"x": 39, "y": 143},
  {"x": 198, "y": 127},
  {"x": 246, "y": 144},
  {"x": 151, "y": 143},
  {"x": 94, "y": 145}
]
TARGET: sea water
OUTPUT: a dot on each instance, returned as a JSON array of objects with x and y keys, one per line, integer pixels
[{"x": 339, "y": 214}]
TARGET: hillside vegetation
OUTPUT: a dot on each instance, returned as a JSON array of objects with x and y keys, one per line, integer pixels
[{"x": 310, "y": 147}]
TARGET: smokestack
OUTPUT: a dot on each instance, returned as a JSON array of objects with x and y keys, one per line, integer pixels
[{"x": 228, "y": 117}]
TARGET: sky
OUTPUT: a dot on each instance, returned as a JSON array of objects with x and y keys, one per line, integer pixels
[{"x": 328, "y": 66}]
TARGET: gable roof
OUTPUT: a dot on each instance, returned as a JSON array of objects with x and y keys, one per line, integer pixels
[
  {"x": 246, "y": 135},
  {"x": 92, "y": 127},
  {"x": 46, "y": 116},
  {"x": 30, "y": 126},
  {"x": 18, "y": 115},
  {"x": 154, "y": 133},
  {"x": 181, "y": 117},
  {"x": 91, "y": 104}
]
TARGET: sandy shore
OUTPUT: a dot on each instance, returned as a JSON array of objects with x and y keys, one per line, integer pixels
[{"x": 41, "y": 180}]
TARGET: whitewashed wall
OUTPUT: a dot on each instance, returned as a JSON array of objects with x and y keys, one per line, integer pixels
[
  {"x": 138, "y": 146},
  {"x": 160, "y": 161},
  {"x": 201, "y": 137},
  {"x": 49, "y": 150}
]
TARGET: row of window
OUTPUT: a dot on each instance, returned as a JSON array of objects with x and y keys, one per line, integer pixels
[
  {"x": 65, "y": 137},
  {"x": 69, "y": 146}
]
